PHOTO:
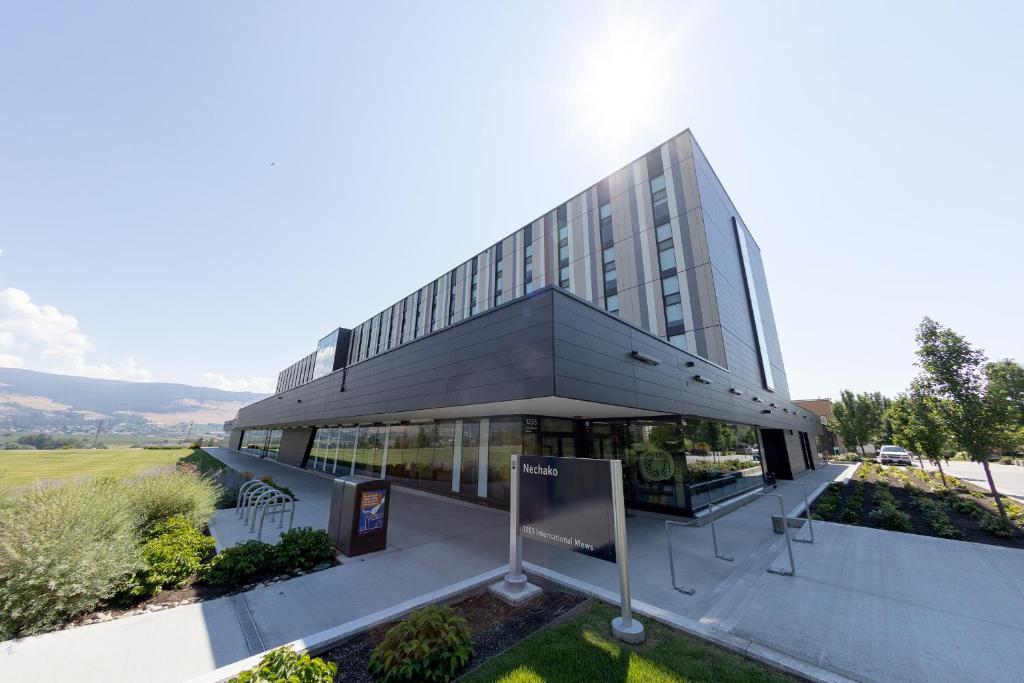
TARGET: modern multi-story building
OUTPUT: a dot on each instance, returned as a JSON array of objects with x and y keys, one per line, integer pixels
[{"x": 632, "y": 321}]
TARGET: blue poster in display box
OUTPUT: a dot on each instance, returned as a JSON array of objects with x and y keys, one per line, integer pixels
[{"x": 371, "y": 510}]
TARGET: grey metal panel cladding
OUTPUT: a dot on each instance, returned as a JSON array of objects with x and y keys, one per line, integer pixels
[
  {"x": 294, "y": 446},
  {"x": 592, "y": 362},
  {"x": 502, "y": 355},
  {"x": 548, "y": 344}
]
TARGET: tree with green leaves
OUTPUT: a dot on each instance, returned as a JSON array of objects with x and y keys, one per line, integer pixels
[
  {"x": 858, "y": 417},
  {"x": 972, "y": 405},
  {"x": 1006, "y": 392},
  {"x": 917, "y": 425}
]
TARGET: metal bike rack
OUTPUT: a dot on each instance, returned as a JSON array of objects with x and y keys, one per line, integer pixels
[
  {"x": 242, "y": 491},
  {"x": 785, "y": 530},
  {"x": 249, "y": 502},
  {"x": 714, "y": 541},
  {"x": 282, "y": 500},
  {"x": 262, "y": 500},
  {"x": 807, "y": 514}
]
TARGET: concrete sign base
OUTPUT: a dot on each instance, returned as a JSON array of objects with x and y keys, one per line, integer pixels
[
  {"x": 632, "y": 634},
  {"x": 515, "y": 593}
]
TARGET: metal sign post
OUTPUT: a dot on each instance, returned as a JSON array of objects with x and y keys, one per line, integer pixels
[
  {"x": 515, "y": 588},
  {"x": 625, "y": 628}
]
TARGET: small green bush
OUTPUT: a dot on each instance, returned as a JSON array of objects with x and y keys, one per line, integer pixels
[
  {"x": 284, "y": 665},
  {"x": 997, "y": 526},
  {"x": 176, "y": 551},
  {"x": 240, "y": 563},
  {"x": 302, "y": 548},
  {"x": 160, "y": 495},
  {"x": 63, "y": 551},
  {"x": 432, "y": 644},
  {"x": 891, "y": 518}
]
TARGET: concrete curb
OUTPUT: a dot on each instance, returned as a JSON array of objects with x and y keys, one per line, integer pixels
[
  {"x": 748, "y": 648},
  {"x": 328, "y": 638}
]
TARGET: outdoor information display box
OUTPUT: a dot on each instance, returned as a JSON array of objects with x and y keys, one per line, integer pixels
[{"x": 359, "y": 515}]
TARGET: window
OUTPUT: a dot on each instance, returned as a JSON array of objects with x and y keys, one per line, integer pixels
[
  {"x": 659, "y": 200},
  {"x": 610, "y": 277},
  {"x": 673, "y": 307},
  {"x": 563, "y": 251},
  {"x": 391, "y": 325},
  {"x": 380, "y": 326},
  {"x": 528, "y": 258},
  {"x": 667, "y": 258},
  {"x": 611, "y": 303},
  {"x": 416, "y": 320},
  {"x": 605, "y": 213},
  {"x": 401, "y": 325},
  {"x": 497, "y": 274},
  {"x": 433, "y": 308},
  {"x": 451, "y": 298},
  {"x": 473, "y": 288}
]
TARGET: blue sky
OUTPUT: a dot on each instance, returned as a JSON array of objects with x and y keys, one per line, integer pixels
[{"x": 873, "y": 148}]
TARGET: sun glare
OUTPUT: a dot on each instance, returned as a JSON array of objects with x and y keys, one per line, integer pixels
[{"x": 622, "y": 78}]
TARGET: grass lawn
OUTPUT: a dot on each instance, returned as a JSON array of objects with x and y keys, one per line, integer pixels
[
  {"x": 18, "y": 468},
  {"x": 583, "y": 649}
]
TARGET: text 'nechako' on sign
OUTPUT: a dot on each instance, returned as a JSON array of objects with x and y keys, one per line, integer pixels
[{"x": 567, "y": 502}]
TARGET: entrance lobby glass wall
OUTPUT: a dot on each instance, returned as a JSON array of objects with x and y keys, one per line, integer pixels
[
  {"x": 669, "y": 464},
  {"x": 264, "y": 442}
]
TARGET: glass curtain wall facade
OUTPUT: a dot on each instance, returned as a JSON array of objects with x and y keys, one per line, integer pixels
[
  {"x": 670, "y": 464},
  {"x": 263, "y": 442}
]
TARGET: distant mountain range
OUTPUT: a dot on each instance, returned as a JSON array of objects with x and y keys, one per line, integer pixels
[{"x": 41, "y": 401}]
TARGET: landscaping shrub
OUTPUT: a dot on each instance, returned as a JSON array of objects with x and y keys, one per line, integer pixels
[
  {"x": 432, "y": 644},
  {"x": 162, "y": 494},
  {"x": 240, "y": 563},
  {"x": 937, "y": 516},
  {"x": 887, "y": 513},
  {"x": 891, "y": 518},
  {"x": 63, "y": 551},
  {"x": 302, "y": 548},
  {"x": 997, "y": 526},
  {"x": 285, "y": 665},
  {"x": 175, "y": 552}
]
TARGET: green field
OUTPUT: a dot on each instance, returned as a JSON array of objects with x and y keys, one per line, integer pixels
[
  {"x": 18, "y": 468},
  {"x": 583, "y": 649}
]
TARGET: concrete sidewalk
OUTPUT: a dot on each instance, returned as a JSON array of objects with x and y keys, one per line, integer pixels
[{"x": 312, "y": 508}]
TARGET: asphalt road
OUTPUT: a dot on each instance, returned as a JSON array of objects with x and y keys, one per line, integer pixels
[{"x": 1009, "y": 478}]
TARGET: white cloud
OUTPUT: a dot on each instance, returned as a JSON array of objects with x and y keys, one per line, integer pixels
[
  {"x": 56, "y": 338},
  {"x": 9, "y": 361},
  {"x": 260, "y": 385}
]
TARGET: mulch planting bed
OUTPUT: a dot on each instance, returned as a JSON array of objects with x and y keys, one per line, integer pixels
[
  {"x": 495, "y": 627},
  {"x": 914, "y": 491}
]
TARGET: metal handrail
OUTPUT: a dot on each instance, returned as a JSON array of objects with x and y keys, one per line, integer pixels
[
  {"x": 807, "y": 514},
  {"x": 714, "y": 541},
  {"x": 785, "y": 530}
]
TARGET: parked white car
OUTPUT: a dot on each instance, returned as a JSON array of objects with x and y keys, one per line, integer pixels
[{"x": 894, "y": 455}]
